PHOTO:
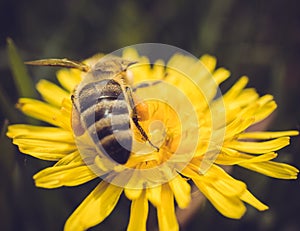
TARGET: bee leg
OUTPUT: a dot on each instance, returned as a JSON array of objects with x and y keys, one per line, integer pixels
[{"x": 135, "y": 119}]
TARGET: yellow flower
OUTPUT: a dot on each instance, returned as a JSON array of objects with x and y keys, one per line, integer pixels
[{"x": 196, "y": 129}]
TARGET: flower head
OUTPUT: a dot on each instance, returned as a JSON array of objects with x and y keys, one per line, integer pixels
[{"x": 196, "y": 129}]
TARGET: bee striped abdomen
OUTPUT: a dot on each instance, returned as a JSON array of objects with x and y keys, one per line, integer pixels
[{"x": 104, "y": 112}]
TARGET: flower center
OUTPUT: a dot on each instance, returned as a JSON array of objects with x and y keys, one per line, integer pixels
[{"x": 164, "y": 130}]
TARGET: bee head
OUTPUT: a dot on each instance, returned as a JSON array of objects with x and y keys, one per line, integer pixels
[{"x": 111, "y": 66}]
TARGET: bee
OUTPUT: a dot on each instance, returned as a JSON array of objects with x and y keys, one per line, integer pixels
[{"x": 105, "y": 106}]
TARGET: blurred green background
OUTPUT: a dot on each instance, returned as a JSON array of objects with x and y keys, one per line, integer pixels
[{"x": 258, "y": 38}]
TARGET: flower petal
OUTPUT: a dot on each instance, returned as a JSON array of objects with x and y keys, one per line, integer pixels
[
  {"x": 229, "y": 206},
  {"x": 237, "y": 126},
  {"x": 220, "y": 75},
  {"x": 259, "y": 147},
  {"x": 238, "y": 158},
  {"x": 166, "y": 212},
  {"x": 130, "y": 54},
  {"x": 138, "y": 213},
  {"x": 95, "y": 208},
  {"x": 50, "y": 151},
  {"x": 154, "y": 195},
  {"x": 181, "y": 190},
  {"x": 236, "y": 89},
  {"x": 51, "y": 93},
  {"x": 251, "y": 200},
  {"x": 39, "y": 133},
  {"x": 69, "y": 78},
  {"x": 47, "y": 143},
  {"x": 74, "y": 157},
  {"x": 246, "y": 97},
  {"x": 209, "y": 62},
  {"x": 133, "y": 194},
  {"x": 223, "y": 182},
  {"x": 265, "y": 111},
  {"x": 267, "y": 135},
  {"x": 41, "y": 111},
  {"x": 273, "y": 169},
  {"x": 221, "y": 190},
  {"x": 64, "y": 175}
]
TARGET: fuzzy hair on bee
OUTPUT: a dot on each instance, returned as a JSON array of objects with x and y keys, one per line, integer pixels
[{"x": 104, "y": 105}]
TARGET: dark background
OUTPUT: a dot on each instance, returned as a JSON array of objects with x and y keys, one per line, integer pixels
[{"x": 258, "y": 38}]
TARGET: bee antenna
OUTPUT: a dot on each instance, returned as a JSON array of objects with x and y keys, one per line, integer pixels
[{"x": 60, "y": 63}]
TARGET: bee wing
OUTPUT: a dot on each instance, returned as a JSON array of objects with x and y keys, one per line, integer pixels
[{"x": 60, "y": 63}]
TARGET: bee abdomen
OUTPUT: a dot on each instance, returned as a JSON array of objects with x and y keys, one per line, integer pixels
[
  {"x": 93, "y": 92},
  {"x": 113, "y": 136},
  {"x": 105, "y": 114},
  {"x": 103, "y": 109},
  {"x": 117, "y": 145},
  {"x": 108, "y": 123}
]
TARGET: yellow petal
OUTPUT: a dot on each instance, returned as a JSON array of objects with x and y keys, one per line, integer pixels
[
  {"x": 63, "y": 175},
  {"x": 67, "y": 106},
  {"x": 95, "y": 208},
  {"x": 223, "y": 182},
  {"x": 260, "y": 158},
  {"x": 273, "y": 169},
  {"x": 166, "y": 212},
  {"x": 153, "y": 195},
  {"x": 221, "y": 190},
  {"x": 181, "y": 190},
  {"x": 265, "y": 111},
  {"x": 74, "y": 157},
  {"x": 253, "y": 201},
  {"x": 39, "y": 133},
  {"x": 135, "y": 180},
  {"x": 240, "y": 158},
  {"x": 158, "y": 71},
  {"x": 133, "y": 194},
  {"x": 47, "y": 143},
  {"x": 235, "y": 90},
  {"x": 220, "y": 75},
  {"x": 244, "y": 105},
  {"x": 237, "y": 126},
  {"x": 265, "y": 99},
  {"x": 51, "y": 92},
  {"x": 209, "y": 62},
  {"x": 231, "y": 207},
  {"x": 40, "y": 110},
  {"x": 138, "y": 213},
  {"x": 130, "y": 54},
  {"x": 45, "y": 150},
  {"x": 259, "y": 147},
  {"x": 246, "y": 97},
  {"x": 41, "y": 153},
  {"x": 267, "y": 135},
  {"x": 69, "y": 78}
]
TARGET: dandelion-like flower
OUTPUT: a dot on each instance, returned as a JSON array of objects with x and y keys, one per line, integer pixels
[{"x": 197, "y": 132}]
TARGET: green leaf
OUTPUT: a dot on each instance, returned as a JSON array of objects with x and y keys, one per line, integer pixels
[
  {"x": 21, "y": 77},
  {"x": 7, "y": 107}
]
